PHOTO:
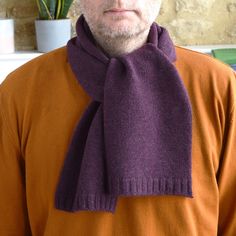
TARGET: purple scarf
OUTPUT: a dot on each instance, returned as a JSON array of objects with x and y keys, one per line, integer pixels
[{"x": 135, "y": 137}]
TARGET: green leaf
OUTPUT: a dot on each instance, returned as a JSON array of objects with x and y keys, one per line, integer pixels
[
  {"x": 52, "y": 7},
  {"x": 58, "y": 10},
  {"x": 39, "y": 6},
  {"x": 44, "y": 12},
  {"x": 65, "y": 8}
]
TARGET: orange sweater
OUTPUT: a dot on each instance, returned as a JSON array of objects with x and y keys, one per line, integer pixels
[{"x": 36, "y": 123}]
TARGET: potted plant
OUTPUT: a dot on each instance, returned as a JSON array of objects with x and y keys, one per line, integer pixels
[{"x": 53, "y": 28}]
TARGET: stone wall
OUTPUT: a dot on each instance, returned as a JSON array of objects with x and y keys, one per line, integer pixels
[
  {"x": 190, "y": 22},
  {"x": 193, "y": 22},
  {"x": 24, "y": 12}
]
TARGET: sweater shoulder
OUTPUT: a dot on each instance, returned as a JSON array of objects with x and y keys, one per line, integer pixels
[
  {"x": 200, "y": 62},
  {"x": 38, "y": 81},
  {"x": 208, "y": 80},
  {"x": 204, "y": 71},
  {"x": 37, "y": 69}
]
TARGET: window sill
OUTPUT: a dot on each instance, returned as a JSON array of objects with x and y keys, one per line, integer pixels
[{"x": 9, "y": 62}]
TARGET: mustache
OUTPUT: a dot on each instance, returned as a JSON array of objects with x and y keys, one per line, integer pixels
[{"x": 116, "y": 5}]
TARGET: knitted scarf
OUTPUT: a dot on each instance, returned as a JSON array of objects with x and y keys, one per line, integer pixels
[{"x": 135, "y": 137}]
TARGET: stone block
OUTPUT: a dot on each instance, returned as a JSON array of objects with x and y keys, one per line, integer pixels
[
  {"x": 194, "y": 6},
  {"x": 189, "y": 30},
  {"x": 22, "y": 11},
  {"x": 231, "y": 7}
]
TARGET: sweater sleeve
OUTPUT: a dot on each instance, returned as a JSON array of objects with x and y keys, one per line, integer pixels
[
  {"x": 13, "y": 209},
  {"x": 226, "y": 175}
]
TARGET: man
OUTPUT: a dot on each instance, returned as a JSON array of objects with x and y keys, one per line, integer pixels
[{"x": 118, "y": 133}]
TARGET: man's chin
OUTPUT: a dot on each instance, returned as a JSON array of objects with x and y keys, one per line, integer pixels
[
  {"x": 121, "y": 29},
  {"x": 119, "y": 33}
]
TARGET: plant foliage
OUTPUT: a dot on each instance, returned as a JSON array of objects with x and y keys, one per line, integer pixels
[{"x": 53, "y": 9}]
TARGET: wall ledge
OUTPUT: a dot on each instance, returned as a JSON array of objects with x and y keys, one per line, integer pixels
[
  {"x": 9, "y": 62},
  {"x": 31, "y": 54},
  {"x": 207, "y": 48}
]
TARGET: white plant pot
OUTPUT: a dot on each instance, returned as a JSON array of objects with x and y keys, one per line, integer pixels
[
  {"x": 52, "y": 34},
  {"x": 7, "y": 42}
]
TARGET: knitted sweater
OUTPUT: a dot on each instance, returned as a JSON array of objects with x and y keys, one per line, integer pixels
[{"x": 37, "y": 119}]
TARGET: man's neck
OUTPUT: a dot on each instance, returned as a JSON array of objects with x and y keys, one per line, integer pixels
[{"x": 118, "y": 46}]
